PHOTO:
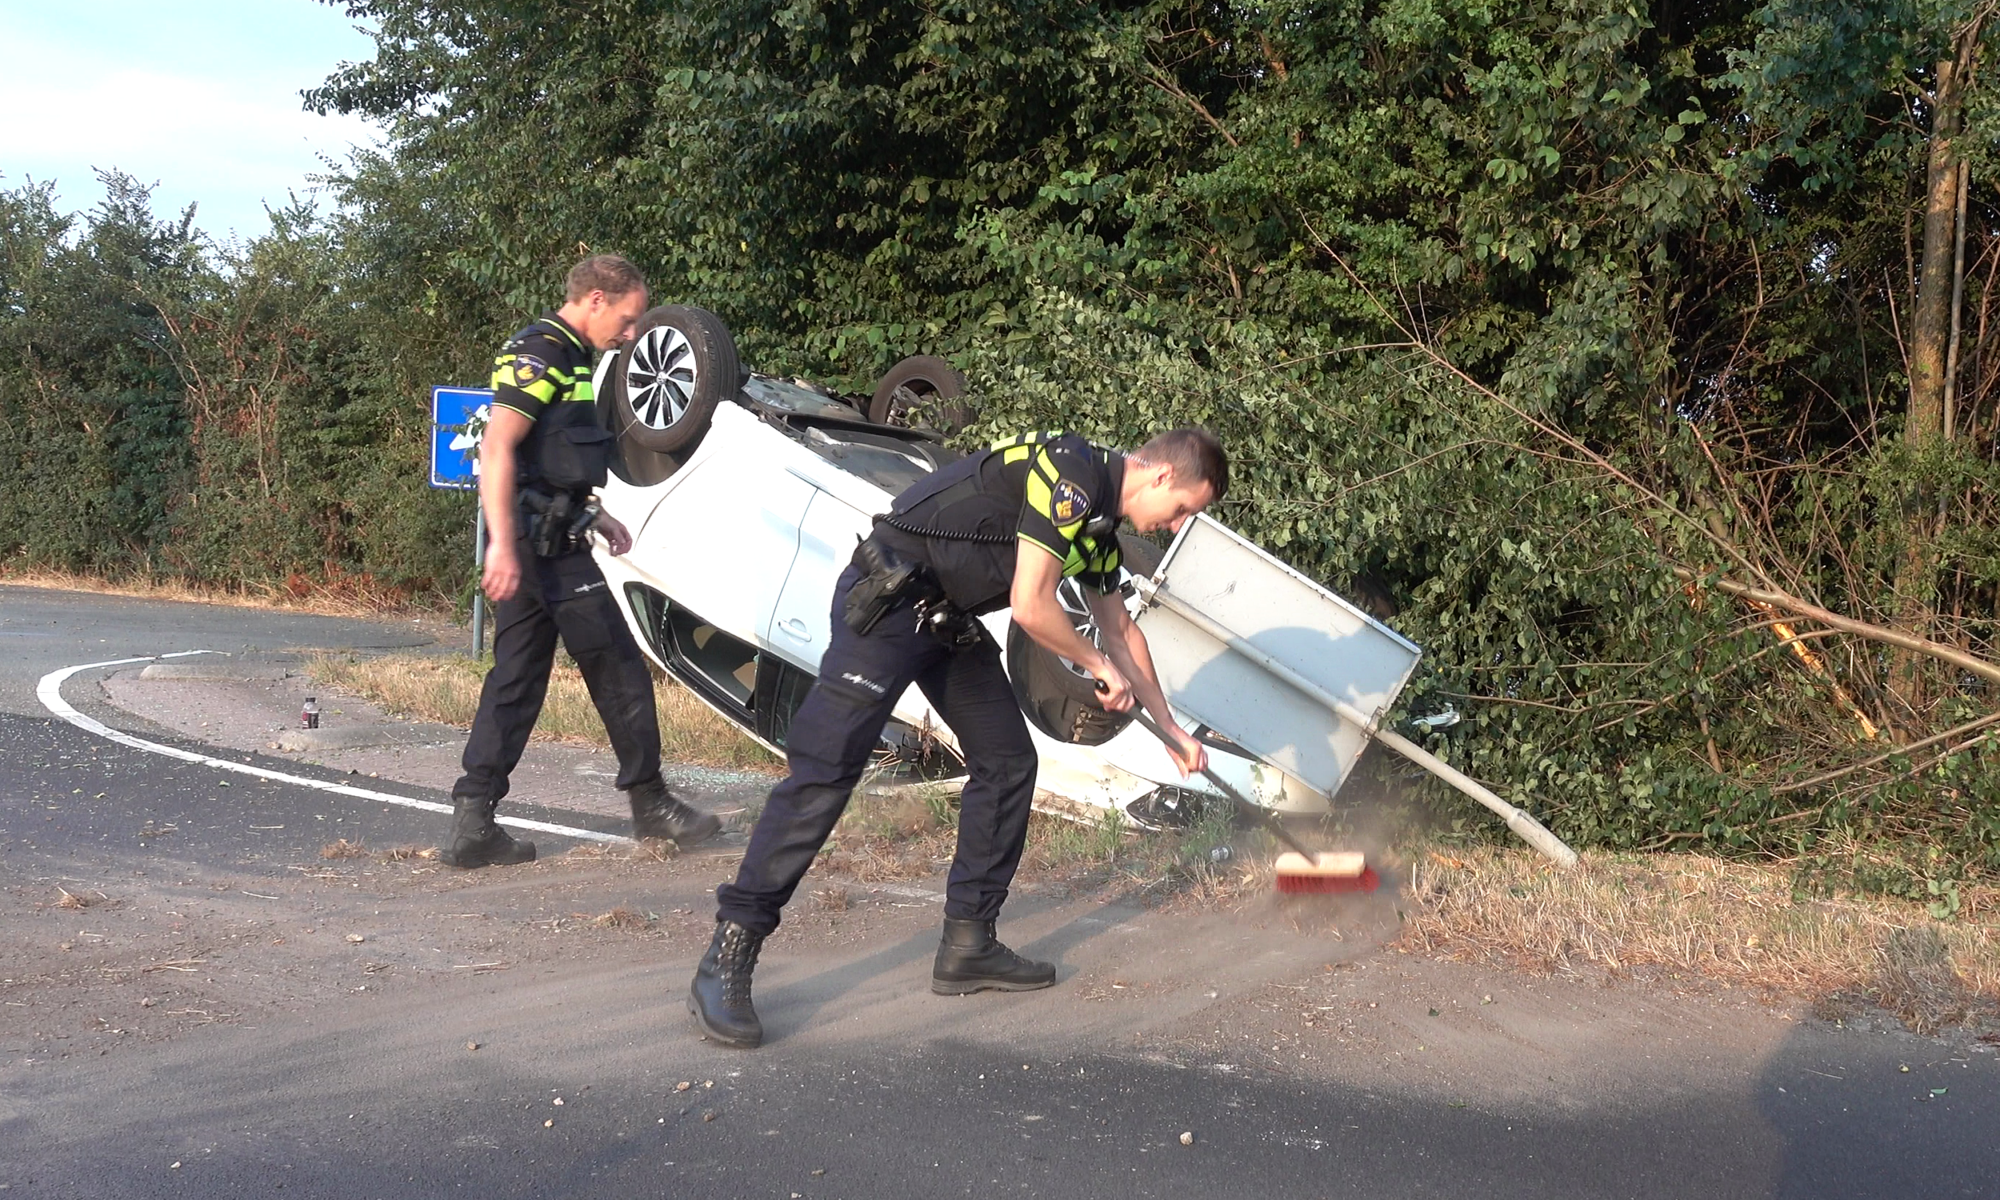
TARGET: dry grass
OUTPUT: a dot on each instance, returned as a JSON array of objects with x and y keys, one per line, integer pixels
[
  {"x": 445, "y": 688},
  {"x": 622, "y": 918},
  {"x": 1696, "y": 917},
  {"x": 650, "y": 850},
  {"x": 343, "y": 596},
  {"x": 406, "y": 853},
  {"x": 77, "y": 900},
  {"x": 910, "y": 832},
  {"x": 342, "y": 848},
  {"x": 906, "y": 834}
]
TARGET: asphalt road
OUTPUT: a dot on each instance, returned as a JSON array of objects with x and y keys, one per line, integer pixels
[{"x": 348, "y": 1066}]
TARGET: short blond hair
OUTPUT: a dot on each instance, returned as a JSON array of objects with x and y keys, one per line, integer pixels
[{"x": 612, "y": 274}]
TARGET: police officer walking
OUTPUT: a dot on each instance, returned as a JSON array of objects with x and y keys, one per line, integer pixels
[
  {"x": 1002, "y": 527},
  {"x": 542, "y": 455}
]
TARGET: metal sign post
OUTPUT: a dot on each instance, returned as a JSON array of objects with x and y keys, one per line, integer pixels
[{"x": 458, "y": 420}]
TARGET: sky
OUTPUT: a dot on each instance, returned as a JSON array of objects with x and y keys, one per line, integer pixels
[{"x": 200, "y": 97}]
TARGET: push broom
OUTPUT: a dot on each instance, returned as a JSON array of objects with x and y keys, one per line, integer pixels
[{"x": 1299, "y": 871}]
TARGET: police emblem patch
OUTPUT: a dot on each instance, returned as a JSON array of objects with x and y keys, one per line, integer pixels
[
  {"x": 527, "y": 369},
  {"x": 1068, "y": 503}
]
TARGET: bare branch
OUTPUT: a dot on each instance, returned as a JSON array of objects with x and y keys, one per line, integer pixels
[
  {"x": 1867, "y": 629},
  {"x": 1171, "y": 88},
  {"x": 1968, "y": 727}
]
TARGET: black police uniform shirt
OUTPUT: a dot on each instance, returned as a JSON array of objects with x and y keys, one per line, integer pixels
[
  {"x": 543, "y": 373},
  {"x": 1055, "y": 490}
]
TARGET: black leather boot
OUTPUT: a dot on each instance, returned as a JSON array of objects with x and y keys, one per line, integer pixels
[
  {"x": 719, "y": 998},
  {"x": 656, "y": 813},
  {"x": 478, "y": 841},
  {"x": 970, "y": 959}
]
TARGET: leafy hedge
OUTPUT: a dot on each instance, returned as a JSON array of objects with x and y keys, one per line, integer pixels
[{"x": 1578, "y": 335}]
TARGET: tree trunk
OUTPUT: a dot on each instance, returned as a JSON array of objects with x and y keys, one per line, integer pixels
[{"x": 1930, "y": 328}]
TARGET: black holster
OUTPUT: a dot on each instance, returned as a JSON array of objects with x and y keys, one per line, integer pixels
[
  {"x": 557, "y": 523},
  {"x": 887, "y": 580}
]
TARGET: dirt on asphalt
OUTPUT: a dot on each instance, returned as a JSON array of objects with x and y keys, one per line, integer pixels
[{"x": 1279, "y": 986}]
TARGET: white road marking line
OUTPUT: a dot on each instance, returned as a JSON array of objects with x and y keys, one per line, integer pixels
[{"x": 49, "y": 692}]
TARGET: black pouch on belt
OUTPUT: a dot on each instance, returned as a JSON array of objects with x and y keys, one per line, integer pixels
[{"x": 887, "y": 579}]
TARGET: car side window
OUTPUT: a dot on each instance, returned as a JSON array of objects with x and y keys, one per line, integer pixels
[{"x": 729, "y": 665}]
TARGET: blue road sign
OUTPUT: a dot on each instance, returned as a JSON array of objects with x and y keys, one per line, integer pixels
[{"x": 458, "y": 418}]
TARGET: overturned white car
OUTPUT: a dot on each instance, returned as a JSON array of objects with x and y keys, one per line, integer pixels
[{"x": 746, "y": 496}]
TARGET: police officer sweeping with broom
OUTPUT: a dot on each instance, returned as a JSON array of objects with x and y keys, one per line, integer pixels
[
  {"x": 542, "y": 455},
  {"x": 1002, "y": 527}
]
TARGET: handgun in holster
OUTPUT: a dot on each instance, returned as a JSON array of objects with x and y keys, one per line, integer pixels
[
  {"x": 557, "y": 523},
  {"x": 887, "y": 579}
]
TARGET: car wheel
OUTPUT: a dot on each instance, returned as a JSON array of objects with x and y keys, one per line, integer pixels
[
  {"x": 680, "y": 365},
  {"x": 1052, "y": 696},
  {"x": 914, "y": 395}
]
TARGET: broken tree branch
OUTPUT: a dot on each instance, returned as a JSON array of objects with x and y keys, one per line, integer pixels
[{"x": 1866, "y": 629}]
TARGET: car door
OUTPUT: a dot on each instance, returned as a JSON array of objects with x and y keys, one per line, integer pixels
[
  {"x": 801, "y": 621},
  {"x": 802, "y": 625}
]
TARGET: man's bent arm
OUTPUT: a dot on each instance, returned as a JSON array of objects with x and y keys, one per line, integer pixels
[
  {"x": 1126, "y": 643},
  {"x": 1036, "y": 576}
]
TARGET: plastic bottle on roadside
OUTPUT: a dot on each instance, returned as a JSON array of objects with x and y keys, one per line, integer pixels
[{"x": 309, "y": 715}]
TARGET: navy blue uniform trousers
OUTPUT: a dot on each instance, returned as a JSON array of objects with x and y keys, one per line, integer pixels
[
  {"x": 567, "y": 597},
  {"x": 836, "y": 732}
]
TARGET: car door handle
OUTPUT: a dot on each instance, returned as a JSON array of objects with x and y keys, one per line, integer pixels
[{"x": 795, "y": 628}]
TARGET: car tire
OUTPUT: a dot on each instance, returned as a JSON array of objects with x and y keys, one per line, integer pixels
[
  {"x": 913, "y": 395},
  {"x": 665, "y": 386},
  {"x": 1139, "y": 554},
  {"x": 1052, "y": 698}
]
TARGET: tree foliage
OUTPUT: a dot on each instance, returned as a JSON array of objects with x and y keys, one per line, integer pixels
[{"x": 1588, "y": 340}]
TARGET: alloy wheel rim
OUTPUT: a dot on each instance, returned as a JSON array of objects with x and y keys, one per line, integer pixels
[
  {"x": 1069, "y": 597},
  {"x": 660, "y": 377}
]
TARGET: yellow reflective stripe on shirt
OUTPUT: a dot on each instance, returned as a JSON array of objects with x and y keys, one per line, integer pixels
[
  {"x": 541, "y": 389},
  {"x": 1105, "y": 561},
  {"x": 554, "y": 380},
  {"x": 1040, "y": 488},
  {"x": 1041, "y": 493},
  {"x": 1072, "y": 563},
  {"x": 1014, "y": 449}
]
